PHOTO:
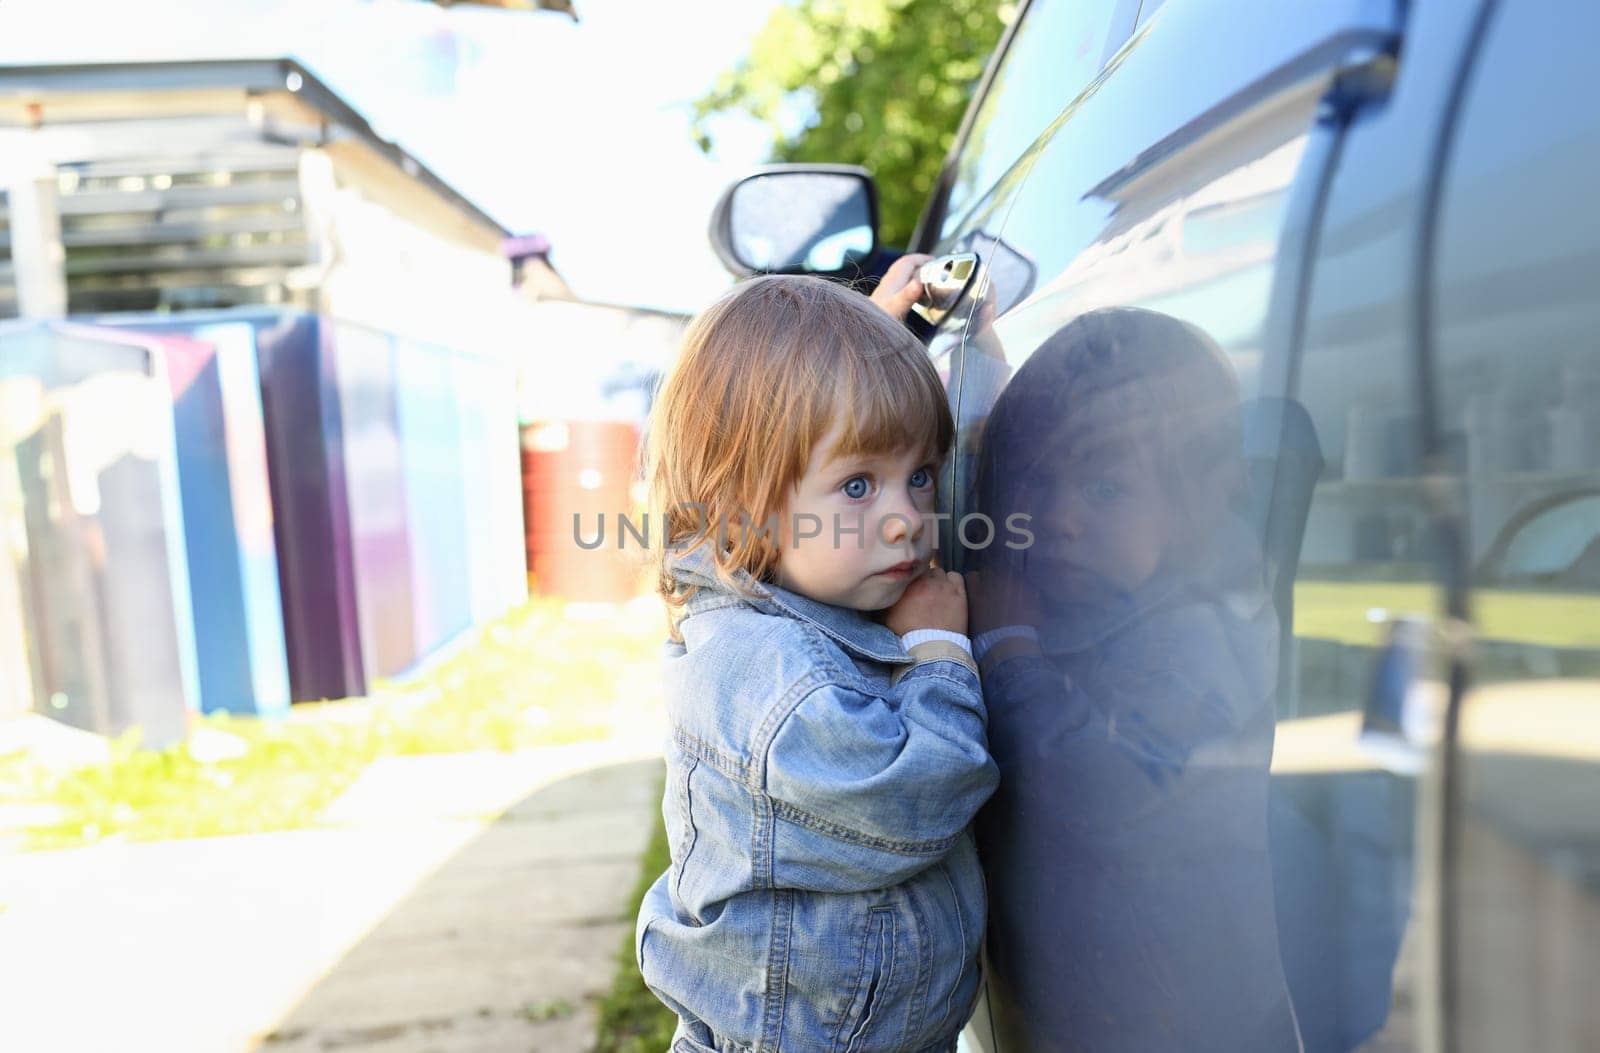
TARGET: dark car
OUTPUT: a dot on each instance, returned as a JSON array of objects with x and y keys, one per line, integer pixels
[{"x": 1283, "y": 325}]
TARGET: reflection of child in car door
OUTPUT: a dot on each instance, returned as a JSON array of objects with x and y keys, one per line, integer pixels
[{"x": 1129, "y": 657}]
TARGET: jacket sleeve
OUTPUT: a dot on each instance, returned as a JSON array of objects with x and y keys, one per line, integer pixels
[{"x": 867, "y": 789}]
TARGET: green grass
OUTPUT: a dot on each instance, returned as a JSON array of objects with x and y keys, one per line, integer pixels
[
  {"x": 533, "y": 677},
  {"x": 631, "y": 1019},
  {"x": 1342, "y": 611}
]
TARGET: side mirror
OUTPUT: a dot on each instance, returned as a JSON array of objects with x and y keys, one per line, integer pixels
[{"x": 797, "y": 219}]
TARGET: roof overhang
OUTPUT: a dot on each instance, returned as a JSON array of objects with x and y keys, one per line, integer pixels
[{"x": 287, "y": 102}]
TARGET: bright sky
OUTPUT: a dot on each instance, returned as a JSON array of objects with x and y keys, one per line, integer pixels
[{"x": 580, "y": 132}]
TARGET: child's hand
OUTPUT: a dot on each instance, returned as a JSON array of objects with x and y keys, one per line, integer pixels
[
  {"x": 935, "y": 600},
  {"x": 899, "y": 288}
]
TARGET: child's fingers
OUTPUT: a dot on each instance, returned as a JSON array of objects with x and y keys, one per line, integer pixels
[
  {"x": 900, "y": 271},
  {"x": 900, "y": 286},
  {"x": 900, "y": 303},
  {"x": 904, "y": 268}
]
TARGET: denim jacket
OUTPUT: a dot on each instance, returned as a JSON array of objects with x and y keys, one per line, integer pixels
[{"x": 824, "y": 892}]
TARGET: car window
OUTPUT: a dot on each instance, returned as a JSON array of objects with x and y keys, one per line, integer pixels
[
  {"x": 1518, "y": 376},
  {"x": 1056, "y": 50},
  {"x": 1557, "y": 544}
]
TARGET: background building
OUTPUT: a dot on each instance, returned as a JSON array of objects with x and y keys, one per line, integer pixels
[{"x": 259, "y": 415}]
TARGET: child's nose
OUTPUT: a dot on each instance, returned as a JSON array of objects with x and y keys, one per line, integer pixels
[
  {"x": 1067, "y": 517},
  {"x": 902, "y": 522}
]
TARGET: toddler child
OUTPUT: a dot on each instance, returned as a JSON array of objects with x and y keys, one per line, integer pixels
[{"x": 827, "y": 750}]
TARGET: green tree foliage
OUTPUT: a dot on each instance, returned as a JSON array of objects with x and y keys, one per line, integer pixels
[{"x": 879, "y": 83}]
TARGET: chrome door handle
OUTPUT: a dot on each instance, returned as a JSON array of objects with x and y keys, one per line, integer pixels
[{"x": 944, "y": 280}]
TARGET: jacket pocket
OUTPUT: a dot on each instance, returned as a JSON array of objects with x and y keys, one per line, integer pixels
[
  {"x": 970, "y": 945},
  {"x": 873, "y": 976}
]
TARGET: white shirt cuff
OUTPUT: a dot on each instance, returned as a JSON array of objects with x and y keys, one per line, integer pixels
[
  {"x": 916, "y": 636},
  {"x": 984, "y": 641}
]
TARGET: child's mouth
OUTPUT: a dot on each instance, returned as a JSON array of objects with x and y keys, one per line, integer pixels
[{"x": 901, "y": 570}]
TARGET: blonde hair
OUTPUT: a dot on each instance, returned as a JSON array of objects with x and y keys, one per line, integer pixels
[{"x": 759, "y": 378}]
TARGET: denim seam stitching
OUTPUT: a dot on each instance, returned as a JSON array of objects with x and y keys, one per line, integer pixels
[
  {"x": 838, "y": 638},
  {"x": 820, "y": 645},
  {"x": 772, "y": 604},
  {"x": 774, "y": 718},
  {"x": 785, "y": 810},
  {"x": 943, "y": 652},
  {"x": 917, "y": 1012},
  {"x": 961, "y": 927},
  {"x": 920, "y": 671},
  {"x": 702, "y": 750},
  {"x": 777, "y": 978},
  {"x": 761, "y": 837}
]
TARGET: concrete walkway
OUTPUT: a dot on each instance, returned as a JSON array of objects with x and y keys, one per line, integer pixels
[{"x": 466, "y": 902}]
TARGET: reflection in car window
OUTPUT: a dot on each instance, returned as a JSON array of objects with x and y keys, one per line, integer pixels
[
  {"x": 1557, "y": 545},
  {"x": 1056, "y": 51}
]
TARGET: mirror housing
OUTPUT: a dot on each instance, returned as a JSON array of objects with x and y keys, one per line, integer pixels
[{"x": 798, "y": 219}]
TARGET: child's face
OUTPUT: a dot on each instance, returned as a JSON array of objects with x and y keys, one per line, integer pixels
[
  {"x": 887, "y": 495},
  {"x": 1100, "y": 527}
]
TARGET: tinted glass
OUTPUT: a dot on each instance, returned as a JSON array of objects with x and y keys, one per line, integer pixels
[{"x": 1056, "y": 50}]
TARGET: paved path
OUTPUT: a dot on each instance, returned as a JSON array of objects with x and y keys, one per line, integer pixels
[{"x": 467, "y": 902}]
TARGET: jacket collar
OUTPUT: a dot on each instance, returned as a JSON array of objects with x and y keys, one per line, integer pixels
[{"x": 850, "y": 629}]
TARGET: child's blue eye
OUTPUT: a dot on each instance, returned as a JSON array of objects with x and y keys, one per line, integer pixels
[
  {"x": 921, "y": 477},
  {"x": 857, "y": 488},
  {"x": 1101, "y": 491}
]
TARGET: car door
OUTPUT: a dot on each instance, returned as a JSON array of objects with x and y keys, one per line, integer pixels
[
  {"x": 1515, "y": 305},
  {"x": 1151, "y": 885}
]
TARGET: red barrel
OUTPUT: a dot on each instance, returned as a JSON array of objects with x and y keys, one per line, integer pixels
[{"x": 585, "y": 469}]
